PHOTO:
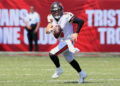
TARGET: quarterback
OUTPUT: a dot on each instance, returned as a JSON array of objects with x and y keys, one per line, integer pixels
[{"x": 63, "y": 20}]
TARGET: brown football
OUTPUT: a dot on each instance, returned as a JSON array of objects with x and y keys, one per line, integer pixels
[{"x": 57, "y": 31}]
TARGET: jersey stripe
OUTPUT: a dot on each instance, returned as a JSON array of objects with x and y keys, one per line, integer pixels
[{"x": 63, "y": 49}]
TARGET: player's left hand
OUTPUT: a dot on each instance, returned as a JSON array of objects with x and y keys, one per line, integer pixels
[{"x": 74, "y": 36}]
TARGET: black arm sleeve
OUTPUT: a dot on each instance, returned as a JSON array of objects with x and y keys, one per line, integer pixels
[{"x": 80, "y": 23}]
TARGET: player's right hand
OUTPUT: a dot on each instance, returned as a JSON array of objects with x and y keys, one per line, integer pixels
[{"x": 49, "y": 28}]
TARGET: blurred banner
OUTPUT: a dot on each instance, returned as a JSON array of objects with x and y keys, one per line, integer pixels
[{"x": 100, "y": 33}]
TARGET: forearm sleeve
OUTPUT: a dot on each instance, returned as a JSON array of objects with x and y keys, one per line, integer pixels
[{"x": 80, "y": 23}]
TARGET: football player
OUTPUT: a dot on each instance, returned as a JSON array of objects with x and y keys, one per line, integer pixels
[{"x": 65, "y": 46}]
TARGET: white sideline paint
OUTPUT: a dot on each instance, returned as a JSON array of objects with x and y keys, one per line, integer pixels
[
  {"x": 85, "y": 54},
  {"x": 49, "y": 81}
]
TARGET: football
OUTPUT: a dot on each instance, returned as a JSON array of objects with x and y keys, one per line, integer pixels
[{"x": 57, "y": 31}]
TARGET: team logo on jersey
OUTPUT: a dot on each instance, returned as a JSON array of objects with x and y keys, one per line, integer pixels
[{"x": 51, "y": 20}]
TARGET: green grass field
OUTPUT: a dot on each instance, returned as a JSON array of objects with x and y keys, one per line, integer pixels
[{"x": 37, "y": 70}]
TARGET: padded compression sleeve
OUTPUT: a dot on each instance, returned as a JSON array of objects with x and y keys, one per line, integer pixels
[{"x": 80, "y": 23}]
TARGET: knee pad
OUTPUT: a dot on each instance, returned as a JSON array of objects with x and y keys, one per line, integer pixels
[{"x": 69, "y": 58}]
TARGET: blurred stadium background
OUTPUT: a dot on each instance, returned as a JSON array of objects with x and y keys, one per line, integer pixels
[{"x": 98, "y": 41}]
